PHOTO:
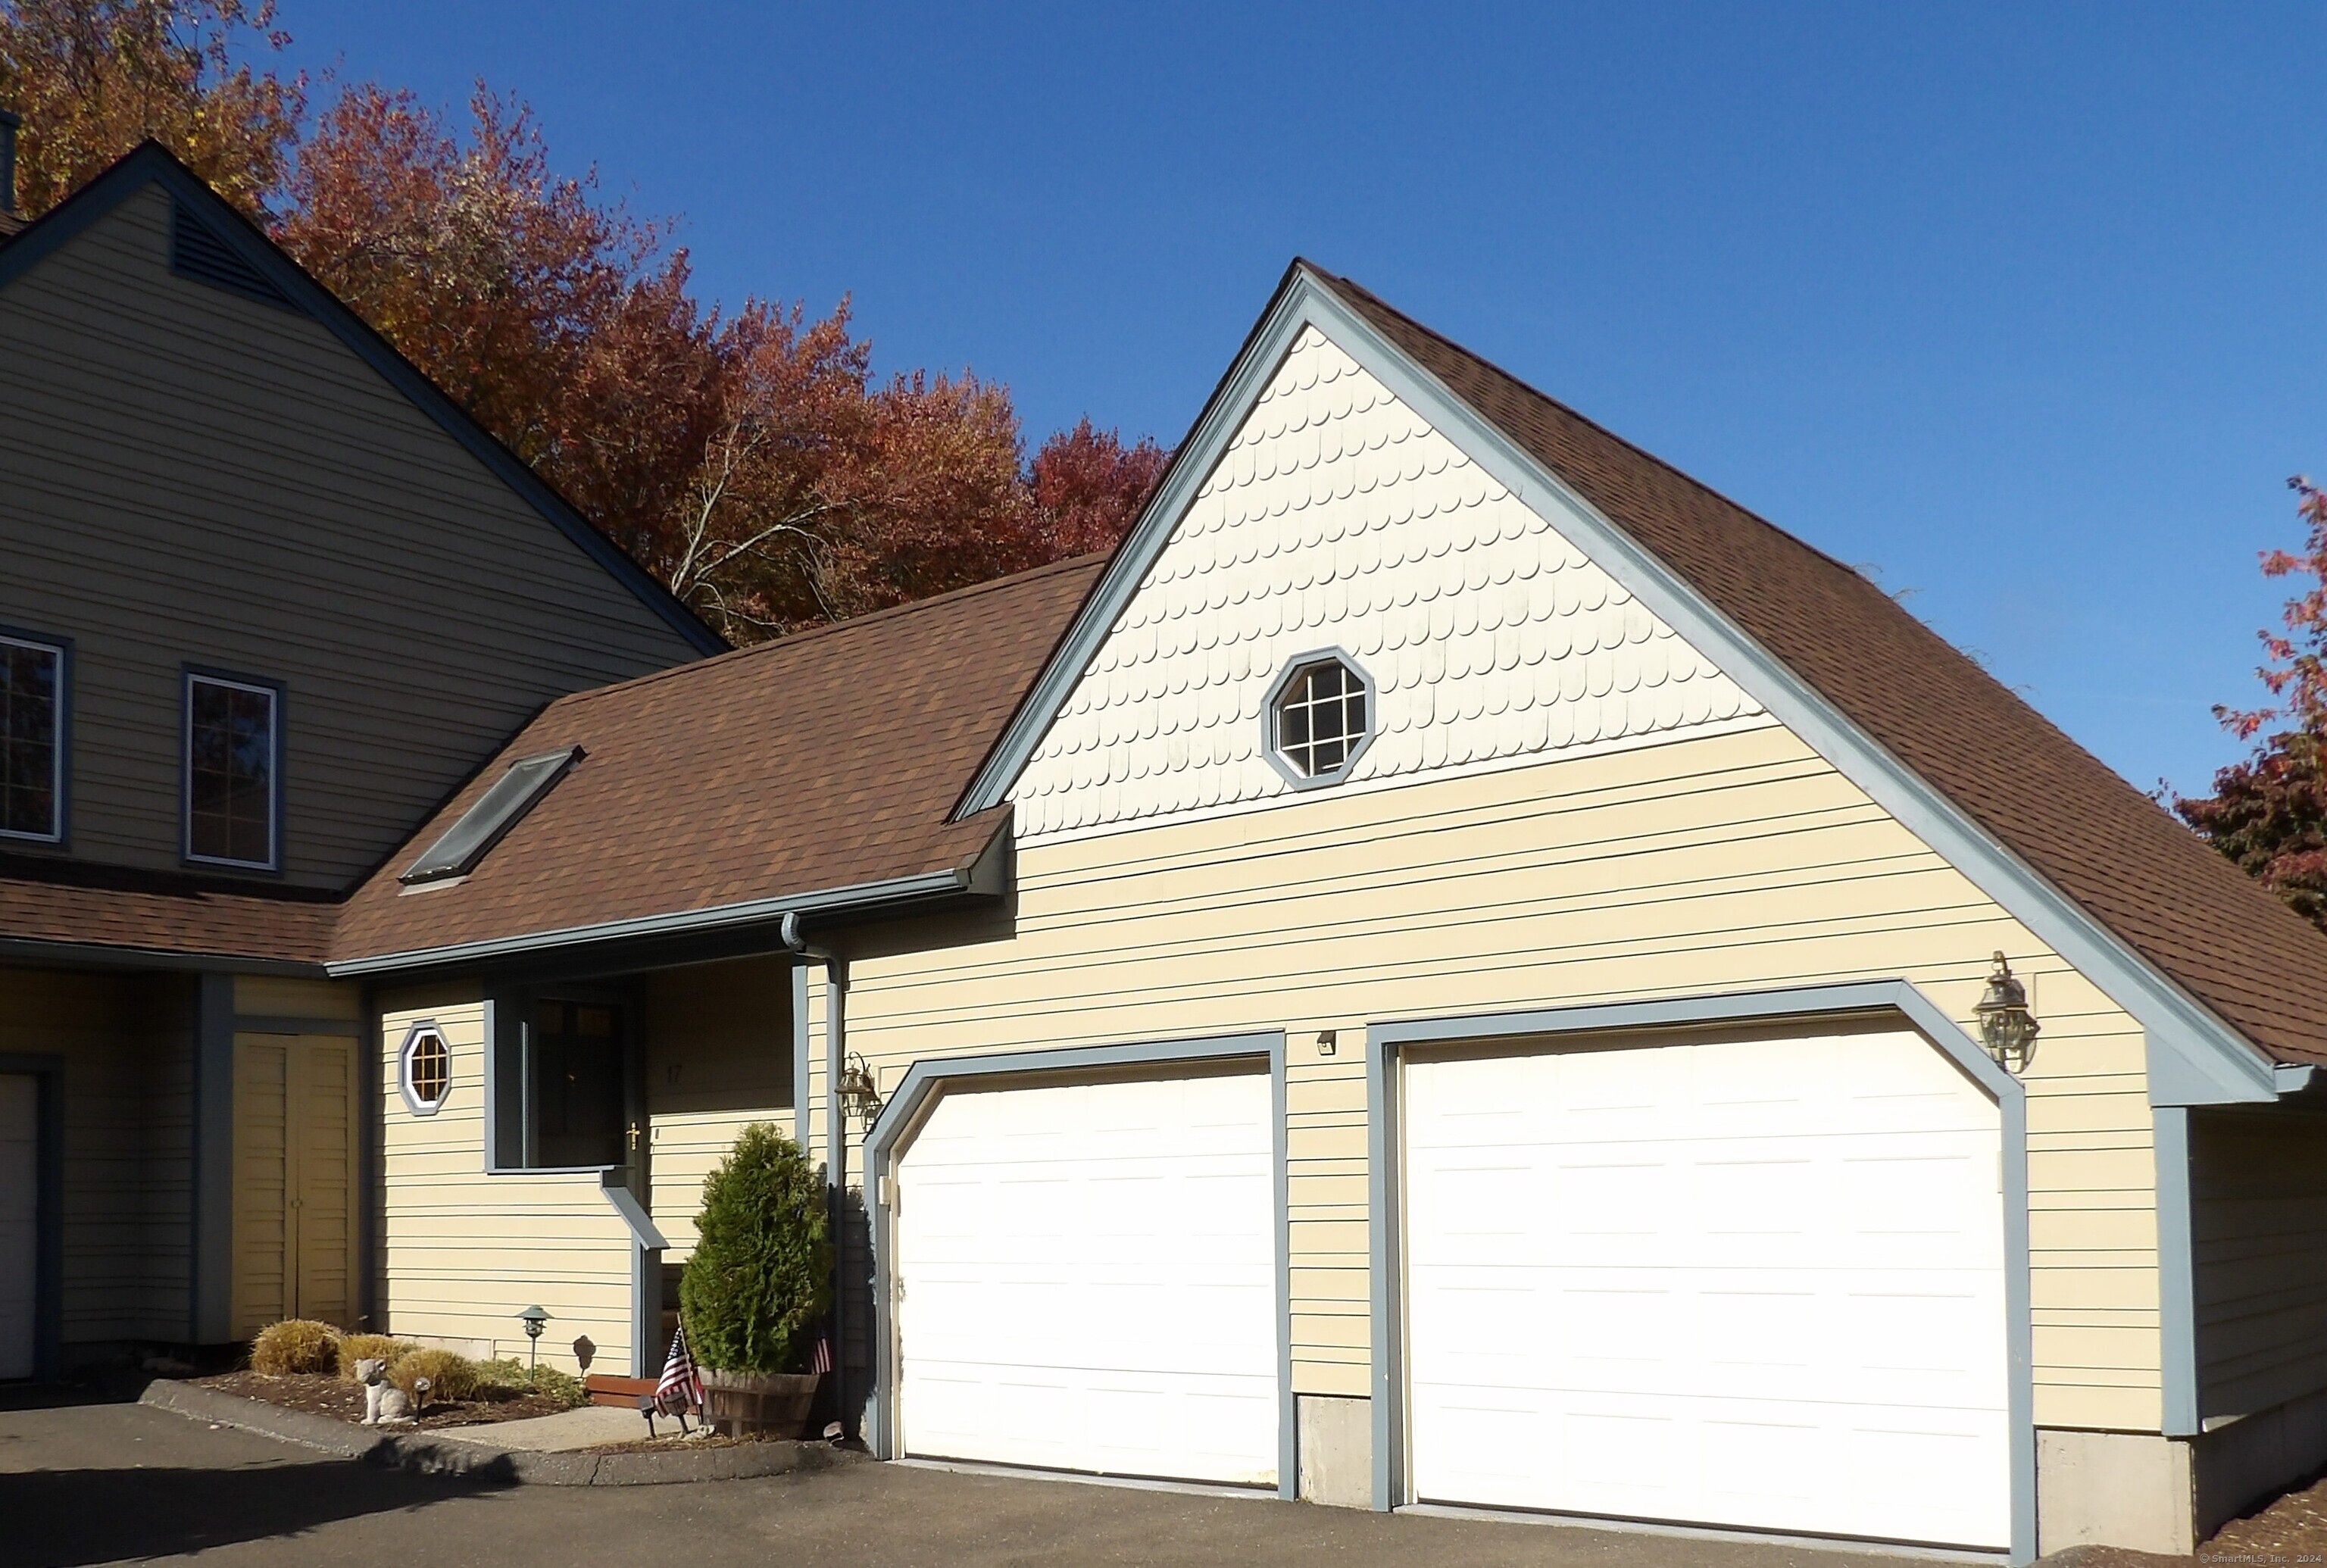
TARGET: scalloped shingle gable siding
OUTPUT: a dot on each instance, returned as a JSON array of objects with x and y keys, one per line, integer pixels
[{"x": 1338, "y": 517}]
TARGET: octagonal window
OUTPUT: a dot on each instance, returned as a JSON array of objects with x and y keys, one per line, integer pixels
[
  {"x": 1319, "y": 717},
  {"x": 425, "y": 1070}
]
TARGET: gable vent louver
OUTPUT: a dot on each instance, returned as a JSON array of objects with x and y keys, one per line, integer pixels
[{"x": 197, "y": 252}]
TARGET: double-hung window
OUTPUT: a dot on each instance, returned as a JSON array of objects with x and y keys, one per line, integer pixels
[
  {"x": 234, "y": 772},
  {"x": 32, "y": 739}
]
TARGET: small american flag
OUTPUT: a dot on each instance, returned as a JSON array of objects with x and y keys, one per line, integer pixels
[
  {"x": 822, "y": 1360},
  {"x": 681, "y": 1386}
]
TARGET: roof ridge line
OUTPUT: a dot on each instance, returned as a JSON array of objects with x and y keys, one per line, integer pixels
[{"x": 814, "y": 633}]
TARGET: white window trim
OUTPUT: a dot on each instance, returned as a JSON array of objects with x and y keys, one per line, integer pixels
[
  {"x": 1271, "y": 748},
  {"x": 59, "y": 739},
  {"x": 424, "y": 1031},
  {"x": 274, "y": 695}
]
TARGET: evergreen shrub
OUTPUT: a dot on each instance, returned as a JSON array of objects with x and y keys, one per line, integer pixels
[{"x": 754, "y": 1295}]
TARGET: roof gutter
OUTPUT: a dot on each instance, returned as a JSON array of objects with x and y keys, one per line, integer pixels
[
  {"x": 38, "y": 950},
  {"x": 861, "y": 896}
]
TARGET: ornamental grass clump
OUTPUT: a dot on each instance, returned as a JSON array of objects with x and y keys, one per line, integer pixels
[
  {"x": 355, "y": 1348},
  {"x": 296, "y": 1345},
  {"x": 754, "y": 1295},
  {"x": 449, "y": 1376}
]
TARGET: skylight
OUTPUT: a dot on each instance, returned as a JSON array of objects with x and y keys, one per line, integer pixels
[{"x": 497, "y": 811}]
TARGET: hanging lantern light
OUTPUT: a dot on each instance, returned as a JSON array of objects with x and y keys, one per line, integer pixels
[
  {"x": 2006, "y": 1027},
  {"x": 859, "y": 1096}
]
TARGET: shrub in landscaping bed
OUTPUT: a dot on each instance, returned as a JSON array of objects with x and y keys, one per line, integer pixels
[
  {"x": 449, "y": 1376},
  {"x": 355, "y": 1348},
  {"x": 754, "y": 1295},
  {"x": 509, "y": 1379},
  {"x": 296, "y": 1345}
]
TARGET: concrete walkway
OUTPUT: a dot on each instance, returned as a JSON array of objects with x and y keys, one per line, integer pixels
[{"x": 592, "y": 1426}]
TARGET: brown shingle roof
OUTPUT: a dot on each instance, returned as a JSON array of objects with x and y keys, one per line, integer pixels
[
  {"x": 2193, "y": 915},
  {"x": 138, "y": 912},
  {"x": 829, "y": 759}
]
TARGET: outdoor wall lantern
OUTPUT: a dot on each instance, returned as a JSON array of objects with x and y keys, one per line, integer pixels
[
  {"x": 2006, "y": 1027},
  {"x": 535, "y": 1319},
  {"x": 858, "y": 1097}
]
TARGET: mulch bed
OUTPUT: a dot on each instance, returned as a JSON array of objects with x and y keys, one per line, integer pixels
[{"x": 318, "y": 1394}]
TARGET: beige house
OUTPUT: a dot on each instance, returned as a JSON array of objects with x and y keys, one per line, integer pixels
[
  {"x": 1448, "y": 973},
  {"x": 266, "y": 599}
]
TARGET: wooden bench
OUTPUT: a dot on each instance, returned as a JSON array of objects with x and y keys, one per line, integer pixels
[{"x": 621, "y": 1393}]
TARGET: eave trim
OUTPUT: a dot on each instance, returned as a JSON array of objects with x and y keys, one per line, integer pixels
[{"x": 826, "y": 900}]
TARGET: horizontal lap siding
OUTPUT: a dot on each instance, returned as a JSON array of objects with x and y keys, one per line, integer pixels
[
  {"x": 460, "y": 1252},
  {"x": 1728, "y": 863},
  {"x": 2258, "y": 1221},
  {"x": 273, "y": 996},
  {"x": 194, "y": 476},
  {"x": 127, "y": 1045}
]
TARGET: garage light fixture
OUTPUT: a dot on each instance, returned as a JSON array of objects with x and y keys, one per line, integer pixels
[
  {"x": 2006, "y": 1027},
  {"x": 858, "y": 1097}
]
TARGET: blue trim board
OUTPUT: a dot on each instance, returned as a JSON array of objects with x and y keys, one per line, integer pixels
[
  {"x": 929, "y": 1077},
  {"x": 210, "y": 1307},
  {"x": 150, "y": 163},
  {"x": 47, "y": 1070},
  {"x": 836, "y": 1170},
  {"x": 2177, "y": 1293},
  {"x": 647, "y": 1243},
  {"x": 2196, "y": 1058},
  {"x": 1385, "y": 1044}
]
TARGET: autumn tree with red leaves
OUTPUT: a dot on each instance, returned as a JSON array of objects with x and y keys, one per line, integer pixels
[
  {"x": 1088, "y": 489},
  {"x": 752, "y": 458},
  {"x": 91, "y": 79},
  {"x": 2268, "y": 813}
]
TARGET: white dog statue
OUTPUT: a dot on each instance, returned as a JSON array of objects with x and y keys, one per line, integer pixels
[{"x": 386, "y": 1404}]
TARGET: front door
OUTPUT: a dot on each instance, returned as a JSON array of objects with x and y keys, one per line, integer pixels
[{"x": 295, "y": 1154}]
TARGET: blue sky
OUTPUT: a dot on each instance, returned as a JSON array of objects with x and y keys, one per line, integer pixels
[{"x": 2020, "y": 306}]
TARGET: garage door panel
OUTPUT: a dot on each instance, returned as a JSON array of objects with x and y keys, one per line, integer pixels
[
  {"x": 1710, "y": 1280},
  {"x": 1087, "y": 1279}
]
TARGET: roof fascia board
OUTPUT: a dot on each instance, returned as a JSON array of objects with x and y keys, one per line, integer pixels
[
  {"x": 152, "y": 164},
  {"x": 828, "y": 901},
  {"x": 2194, "y": 1058}
]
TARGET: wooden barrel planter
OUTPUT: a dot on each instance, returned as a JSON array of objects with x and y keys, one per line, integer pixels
[{"x": 762, "y": 1404}]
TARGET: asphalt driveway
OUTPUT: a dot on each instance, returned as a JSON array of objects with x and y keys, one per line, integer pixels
[{"x": 103, "y": 1482}]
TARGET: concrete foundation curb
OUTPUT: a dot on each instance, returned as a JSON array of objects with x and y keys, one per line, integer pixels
[{"x": 428, "y": 1455}]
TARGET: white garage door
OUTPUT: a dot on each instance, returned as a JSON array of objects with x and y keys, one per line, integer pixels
[
  {"x": 19, "y": 1219},
  {"x": 1084, "y": 1279},
  {"x": 1756, "y": 1282}
]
